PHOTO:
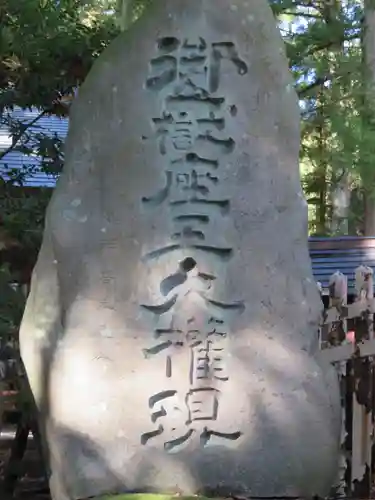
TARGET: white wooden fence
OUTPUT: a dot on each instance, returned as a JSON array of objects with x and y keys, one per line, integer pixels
[{"x": 347, "y": 341}]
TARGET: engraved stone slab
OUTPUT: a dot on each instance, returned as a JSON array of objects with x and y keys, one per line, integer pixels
[{"x": 170, "y": 336}]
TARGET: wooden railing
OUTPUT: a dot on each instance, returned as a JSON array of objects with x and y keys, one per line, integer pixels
[{"x": 347, "y": 341}]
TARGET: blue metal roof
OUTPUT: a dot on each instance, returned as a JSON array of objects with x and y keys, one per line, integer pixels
[
  {"x": 334, "y": 239},
  {"x": 49, "y": 125},
  {"x": 344, "y": 254}
]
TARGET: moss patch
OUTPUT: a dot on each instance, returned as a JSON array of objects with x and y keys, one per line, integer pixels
[{"x": 149, "y": 496}]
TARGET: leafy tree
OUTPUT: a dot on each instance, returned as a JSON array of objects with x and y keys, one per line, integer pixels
[
  {"x": 47, "y": 48},
  {"x": 325, "y": 55},
  {"x": 367, "y": 152}
]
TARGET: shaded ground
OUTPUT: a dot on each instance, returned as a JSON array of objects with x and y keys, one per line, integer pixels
[{"x": 31, "y": 484}]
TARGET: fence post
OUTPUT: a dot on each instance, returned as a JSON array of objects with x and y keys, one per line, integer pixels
[
  {"x": 335, "y": 334},
  {"x": 362, "y": 392}
]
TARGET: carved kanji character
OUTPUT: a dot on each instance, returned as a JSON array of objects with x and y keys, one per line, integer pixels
[
  {"x": 207, "y": 362},
  {"x": 202, "y": 404}
]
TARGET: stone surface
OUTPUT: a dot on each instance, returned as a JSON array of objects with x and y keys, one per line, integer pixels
[{"x": 170, "y": 336}]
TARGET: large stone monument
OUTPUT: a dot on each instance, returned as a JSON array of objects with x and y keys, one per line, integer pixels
[{"x": 171, "y": 333}]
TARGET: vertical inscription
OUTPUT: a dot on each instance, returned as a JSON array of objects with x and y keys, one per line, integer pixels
[{"x": 191, "y": 135}]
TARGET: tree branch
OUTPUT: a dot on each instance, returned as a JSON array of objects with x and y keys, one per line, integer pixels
[
  {"x": 337, "y": 41},
  {"x": 305, "y": 90},
  {"x": 299, "y": 14},
  {"x": 62, "y": 102},
  {"x": 17, "y": 137}
]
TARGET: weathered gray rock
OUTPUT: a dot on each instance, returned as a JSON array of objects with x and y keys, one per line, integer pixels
[{"x": 170, "y": 336}]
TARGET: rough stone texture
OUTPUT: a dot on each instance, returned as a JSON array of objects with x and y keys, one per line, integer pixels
[{"x": 138, "y": 298}]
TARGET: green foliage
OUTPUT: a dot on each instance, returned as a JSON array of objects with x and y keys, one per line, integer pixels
[
  {"x": 47, "y": 49},
  {"x": 22, "y": 214},
  {"x": 128, "y": 11},
  {"x": 326, "y": 57},
  {"x": 148, "y": 496},
  {"x": 12, "y": 302}
]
